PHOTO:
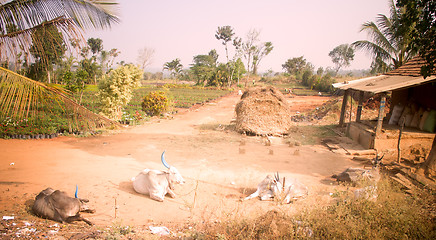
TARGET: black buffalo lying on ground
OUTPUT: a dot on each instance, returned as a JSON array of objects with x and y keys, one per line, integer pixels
[{"x": 58, "y": 206}]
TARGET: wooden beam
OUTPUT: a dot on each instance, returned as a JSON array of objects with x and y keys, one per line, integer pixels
[
  {"x": 344, "y": 105},
  {"x": 359, "y": 108},
  {"x": 380, "y": 114}
]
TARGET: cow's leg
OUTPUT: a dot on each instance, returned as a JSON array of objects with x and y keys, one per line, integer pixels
[
  {"x": 88, "y": 210},
  {"x": 287, "y": 199},
  {"x": 171, "y": 193},
  {"x": 57, "y": 217},
  {"x": 253, "y": 195},
  {"x": 77, "y": 217},
  {"x": 267, "y": 196},
  {"x": 156, "y": 197}
]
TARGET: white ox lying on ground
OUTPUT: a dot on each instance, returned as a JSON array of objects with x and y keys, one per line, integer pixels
[
  {"x": 267, "y": 189},
  {"x": 271, "y": 188},
  {"x": 58, "y": 206},
  {"x": 294, "y": 190},
  {"x": 158, "y": 183}
]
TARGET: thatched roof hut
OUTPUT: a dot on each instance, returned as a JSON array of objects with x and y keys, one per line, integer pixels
[{"x": 263, "y": 111}]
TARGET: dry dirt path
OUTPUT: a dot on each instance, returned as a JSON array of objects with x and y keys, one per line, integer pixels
[{"x": 220, "y": 167}]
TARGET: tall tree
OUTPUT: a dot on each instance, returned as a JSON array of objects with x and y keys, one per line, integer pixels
[
  {"x": 145, "y": 57},
  {"x": 225, "y": 34},
  {"x": 70, "y": 17},
  {"x": 389, "y": 45},
  {"x": 261, "y": 51},
  {"x": 239, "y": 69},
  {"x": 342, "y": 56},
  {"x": 104, "y": 61},
  {"x": 175, "y": 67},
  {"x": 113, "y": 53},
  {"x": 50, "y": 40},
  {"x": 204, "y": 67},
  {"x": 295, "y": 65},
  {"x": 94, "y": 69},
  {"x": 107, "y": 58},
  {"x": 253, "y": 51},
  {"x": 421, "y": 14},
  {"x": 249, "y": 47},
  {"x": 95, "y": 45}
]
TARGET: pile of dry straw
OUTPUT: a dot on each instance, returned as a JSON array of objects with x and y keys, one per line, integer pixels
[{"x": 263, "y": 111}]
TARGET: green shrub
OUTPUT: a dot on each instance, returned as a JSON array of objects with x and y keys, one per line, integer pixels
[
  {"x": 155, "y": 103},
  {"x": 116, "y": 90}
]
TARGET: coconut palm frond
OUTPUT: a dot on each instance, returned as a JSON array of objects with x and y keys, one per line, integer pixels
[
  {"x": 378, "y": 36},
  {"x": 24, "y": 98},
  {"x": 376, "y": 50},
  {"x": 389, "y": 38},
  {"x": 15, "y": 42},
  {"x": 395, "y": 15},
  {"x": 100, "y": 14},
  {"x": 20, "y": 18},
  {"x": 25, "y": 14},
  {"x": 386, "y": 26}
]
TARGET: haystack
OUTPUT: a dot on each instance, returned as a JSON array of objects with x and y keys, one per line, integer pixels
[{"x": 263, "y": 111}]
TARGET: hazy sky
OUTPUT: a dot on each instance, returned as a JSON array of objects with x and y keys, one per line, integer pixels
[{"x": 185, "y": 28}]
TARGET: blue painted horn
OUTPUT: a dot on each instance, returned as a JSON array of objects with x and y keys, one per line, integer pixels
[
  {"x": 162, "y": 158},
  {"x": 77, "y": 190}
]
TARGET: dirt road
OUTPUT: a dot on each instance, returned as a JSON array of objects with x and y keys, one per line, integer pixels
[{"x": 220, "y": 167}]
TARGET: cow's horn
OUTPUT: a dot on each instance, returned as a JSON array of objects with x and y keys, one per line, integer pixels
[
  {"x": 377, "y": 159},
  {"x": 163, "y": 160},
  {"x": 77, "y": 190}
]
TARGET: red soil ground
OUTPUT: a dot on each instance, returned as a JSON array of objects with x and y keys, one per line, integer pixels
[{"x": 220, "y": 167}]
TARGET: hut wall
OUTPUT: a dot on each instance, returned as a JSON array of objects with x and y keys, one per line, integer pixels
[{"x": 423, "y": 95}]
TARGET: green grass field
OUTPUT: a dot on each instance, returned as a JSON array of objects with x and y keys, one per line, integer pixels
[{"x": 180, "y": 97}]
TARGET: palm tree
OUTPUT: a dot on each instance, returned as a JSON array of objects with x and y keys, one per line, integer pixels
[
  {"x": 175, "y": 67},
  {"x": 19, "y": 19},
  {"x": 389, "y": 45}
]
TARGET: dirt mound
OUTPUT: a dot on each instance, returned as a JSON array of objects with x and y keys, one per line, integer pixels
[
  {"x": 263, "y": 111},
  {"x": 374, "y": 102},
  {"x": 330, "y": 110}
]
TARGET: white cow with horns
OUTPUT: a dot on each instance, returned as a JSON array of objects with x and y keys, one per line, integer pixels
[
  {"x": 268, "y": 188},
  {"x": 158, "y": 183},
  {"x": 272, "y": 188}
]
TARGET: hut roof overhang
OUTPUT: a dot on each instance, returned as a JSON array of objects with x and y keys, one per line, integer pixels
[
  {"x": 406, "y": 76},
  {"x": 384, "y": 83}
]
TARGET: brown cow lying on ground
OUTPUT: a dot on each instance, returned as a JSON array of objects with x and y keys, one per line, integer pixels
[{"x": 58, "y": 206}]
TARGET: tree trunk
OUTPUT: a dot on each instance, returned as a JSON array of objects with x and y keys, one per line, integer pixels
[
  {"x": 429, "y": 166},
  {"x": 231, "y": 77},
  {"x": 81, "y": 93},
  {"x": 48, "y": 76}
]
